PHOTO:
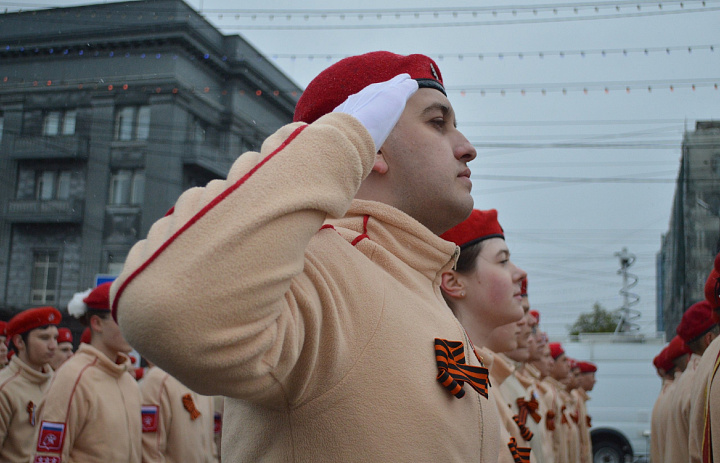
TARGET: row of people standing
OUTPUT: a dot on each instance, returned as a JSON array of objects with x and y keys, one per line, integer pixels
[
  {"x": 685, "y": 425},
  {"x": 91, "y": 409},
  {"x": 538, "y": 391}
]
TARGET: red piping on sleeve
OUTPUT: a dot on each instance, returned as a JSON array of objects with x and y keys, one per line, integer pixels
[{"x": 200, "y": 214}]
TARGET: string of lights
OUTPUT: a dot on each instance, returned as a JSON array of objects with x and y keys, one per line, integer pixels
[
  {"x": 689, "y": 49},
  {"x": 366, "y": 19},
  {"x": 564, "y": 88}
]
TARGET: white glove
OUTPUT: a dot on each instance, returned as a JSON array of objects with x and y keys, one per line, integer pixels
[{"x": 379, "y": 106}]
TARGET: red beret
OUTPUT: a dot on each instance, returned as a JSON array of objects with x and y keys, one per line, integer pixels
[
  {"x": 556, "y": 350},
  {"x": 64, "y": 335},
  {"x": 696, "y": 321},
  {"x": 86, "y": 336},
  {"x": 99, "y": 298},
  {"x": 33, "y": 318},
  {"x": 523, "y": 287},
  {"x": 662, "y": 362},
  {"x": 587, "y": 367},
  {"x": 3, "y": 328},
  {"x": 712, "y": 285},
  {"x": 481, "y": 225},
  {"x": 350, "y": 75},
  {"x": 676, "y": 348},
  {"x": 535, "y": 314}
]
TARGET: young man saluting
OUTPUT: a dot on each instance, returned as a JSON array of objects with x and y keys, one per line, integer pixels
[{"x": 311, "y": 279}]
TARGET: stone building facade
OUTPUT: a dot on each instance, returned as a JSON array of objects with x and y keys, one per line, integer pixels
[
  {"x": 689, "y": 247},
  {"x": 108, "y": 112}
]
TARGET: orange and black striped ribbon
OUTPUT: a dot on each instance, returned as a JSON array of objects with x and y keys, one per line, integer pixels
[
  {"x": 550, "y": 420},
  {"x": 524, "y": 431},
  {"x": 529, "y": 408},
  {"x": 564, "y": 419},
  {"x": 453, "y": 371},
  {"x": 519, "y": 454},
  {"x": 30, "y": 409},
  {"x": 190, "y": 407},
  {"x": 575, "y": 417},
  {"x": 588, "y": 420}
]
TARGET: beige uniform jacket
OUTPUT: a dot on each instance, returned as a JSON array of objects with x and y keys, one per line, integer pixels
[
  {"x": 500, "y": 369},
  {"x": 581, "y": 397},
  {"x": 678, "y": 426},
  {"x": 658, "y": 422},
  {"x": 520, "y": 385},
  {"x": 555, "y": 403},
  {"x": 572, "y": 436},
  {"x": 322, "y": 337},
  {"x": 21, "y": 391},
  {"x": 178, "y": 424},
  {"x": 91, "y": 411},
  {"x": 704, "y": 375}
]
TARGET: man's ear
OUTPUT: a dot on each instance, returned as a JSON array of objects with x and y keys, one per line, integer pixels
[
  {"x": 380, "y": 165},
  {"x": 96, "y": 324},
  {"x": 453, "y": 284},
  {"x": 18, "y": 341}
]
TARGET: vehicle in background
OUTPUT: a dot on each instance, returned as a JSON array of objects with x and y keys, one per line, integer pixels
[{"x": 627, "y": 386}]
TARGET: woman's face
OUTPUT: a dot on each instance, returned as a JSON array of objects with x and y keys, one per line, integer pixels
[
  {"x": 493, "y": 288},
  {"x": 504, "y": 338}
]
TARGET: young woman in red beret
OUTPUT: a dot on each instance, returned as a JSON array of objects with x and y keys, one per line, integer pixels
[{"x": 484, "y": 291}]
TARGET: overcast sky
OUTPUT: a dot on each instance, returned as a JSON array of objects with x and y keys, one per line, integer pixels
[{"x": 577, "y": 110}]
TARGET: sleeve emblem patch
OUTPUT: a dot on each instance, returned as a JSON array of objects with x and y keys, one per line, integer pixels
[
  {"x": 51, "y": 438},
  {"x": 150, "y": 418},
  {"x": 42, "y": 459}
]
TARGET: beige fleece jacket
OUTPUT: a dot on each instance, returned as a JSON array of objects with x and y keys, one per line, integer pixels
[
  {"x": 678, "y": 427},
  {"x": 184, "y": 427},
  {"x": 323, "y": 339},
  {"x": 581, "y": 397},
  {"x": 704, "y": 379},
  {"x": 21, "y": 391},
  {"x": 95, "y": 403}
]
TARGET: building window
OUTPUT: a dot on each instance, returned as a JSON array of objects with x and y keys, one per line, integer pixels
[
  {"x": 115, "y": 263},
  {"x": 2, "y": 122},
  {"x": 52, "y": 184},
  {"x": 127, "y": 187},
  {"x": 132, "y": 123},
  {"x": 198, "y": 130},
  {"x": 44, "y": 277},
  {"x": 59, "y": 123}
]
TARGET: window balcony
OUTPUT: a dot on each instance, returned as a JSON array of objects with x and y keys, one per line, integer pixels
[
  {"x": 60, "y": 147},
  {"x": 208, "y": 157},
  {"x": 52, "y": 211}
]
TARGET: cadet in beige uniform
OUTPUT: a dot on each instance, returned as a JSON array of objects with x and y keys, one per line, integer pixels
[
  {"x": 586, "y": 383},
  {"x": 22, "y": 383},
  {"x": 554, "y": 401},
  {"x": 667, "y": 371},
  {"x": 484, "y": 292},
  {"x": 698, "y": 329},
  {"x": 64, "y": 350},
  {"x": 704, "y": 439},
  {"x": 91, "y": 412},
  {"x": 178, "y": 424}
]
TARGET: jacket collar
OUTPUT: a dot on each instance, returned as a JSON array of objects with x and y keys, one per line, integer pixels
[
  {"x": 29, "y": 373},
  {"x": 115, "y": 369},
  {"x": 401, "y": 235}
]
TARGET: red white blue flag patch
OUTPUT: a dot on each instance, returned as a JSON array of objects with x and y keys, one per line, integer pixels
[
  {"x": 51, "y": 438},
  {"x": 150, "y": 418}
]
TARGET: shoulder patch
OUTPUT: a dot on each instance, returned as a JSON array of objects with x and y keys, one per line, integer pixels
[
  {"x": 218, "y": 423},
  {"x": 51, "y": 437},
  {"x": 150, "y": 418}
]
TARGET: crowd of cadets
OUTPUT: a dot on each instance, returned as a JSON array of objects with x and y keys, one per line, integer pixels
[
  {"x": 93, "y": 405},
  {"x": 685, "y": 419},
  {"x": 297, "y": 376}
]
